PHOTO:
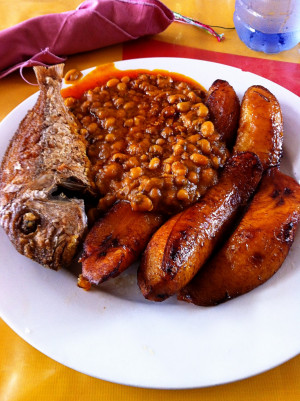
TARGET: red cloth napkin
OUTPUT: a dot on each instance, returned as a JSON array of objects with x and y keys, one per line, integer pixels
[{"x": 94, "y": 24}]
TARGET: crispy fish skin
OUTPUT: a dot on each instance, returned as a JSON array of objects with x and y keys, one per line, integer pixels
[
  {"x": 182, "y": 245},
  {"x": 224, "y": 110},
  {"x": 261, "y": 126},
  {"x": 256, "y": 249},
  {"x": 45, "y": 159},
  {"x": 116, "y": 241}
]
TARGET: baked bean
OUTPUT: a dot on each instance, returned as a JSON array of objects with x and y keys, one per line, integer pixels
[
  {"x": 109, "y": 122},
  {"x": 180, "y": 141},
  {"x": 133, "y": 149},
  {"x": 133, "y": 162},
  {"x": 209, "y": 176},
  {"x": 92, "y": 128},
  {"x": 156, "y": 149},
  {"x": 194, "y": 138},
  {"x": 215, "y": 161},
  {"x": 166, "y": 132},
  {"x": 207, "y": 128},
  {"x": 197, "y": 123},
  {"x": 110, "y": 138},
  {"x": 157, "y": 182},
  {"x": 129, "y": 105},
  {"x": 73, "y": 75},
  {"x": 120, "y": 113},
  {"x": 142, "y": 203},
  {"x": 160, "y": 141},
  {"x": 178, "y": 149},
  {"x": 169, "y": 159},
  {"x": 192, "y": 96},
  {"x": 149, "y": 141},
  {"x": 182, "y": 194},
  {"x": 112, "y": 170},
  {"x": 122, "y": 86},
  {"x": 204, "y": 146},
  {"x": 129, "y": 122},
  {"x": 191, "y": 148},
  {"x": 183, "y": 106},
  {"x": 90, "y": 95},
  {"x": 185, "y": 156},
  {"x": 83, "y": 131},
  {"x": 119, "y": 102},
  {"x": 144, "y": 158},
  {"x": 145, "y": 184},
  {"x": 101, "y": 114},
  {"x": 125, "y": 79},
  {"x": 155, "y": 194},
  {"x": 112, "y": 82},
  {"x": 136, "y": 172},
  {"x": 181, "y": 85},
  {"x": 138, "y": 120},
  {"x": 180, "y": 180},
  {"x": 199, "y": 160},
  {"x": 168, "y": 111},
  {"x": 70, "y": 101},
  {"x": 180, "y": 129},
  {"x": 179, "y": 168},
  {"x": 119, "y": 157},
  {"x": 167, "y": 168},
  {"x": 202, "y": 110},
  {"x": 193, "y": 177},
  {"x": 171, "y": 139},
  {"x": 176, "y": 98},
  {"x": 154, "y": 163},
  {"x": 187, "y": 121}
]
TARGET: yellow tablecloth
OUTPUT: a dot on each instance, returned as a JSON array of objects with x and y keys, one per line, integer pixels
[{"x": 25, "y": 373}]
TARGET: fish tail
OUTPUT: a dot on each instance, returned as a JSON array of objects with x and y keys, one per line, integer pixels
[{"x": 54, "y": 72}]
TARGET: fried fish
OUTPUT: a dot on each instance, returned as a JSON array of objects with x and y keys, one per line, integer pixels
[{"x": 43, "y": 171}]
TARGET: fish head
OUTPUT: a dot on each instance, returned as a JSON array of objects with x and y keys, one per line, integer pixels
[{"x": 48, "y": 231}]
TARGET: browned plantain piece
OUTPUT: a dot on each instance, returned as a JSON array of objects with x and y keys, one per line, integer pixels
[
  {"x": 224, "y": 110},
  {"x": 181, "y": 246},
  {"x": 261, "y": 126},
  {"x": 115, "y": 242},
  {"x": 256, "y": 249}
]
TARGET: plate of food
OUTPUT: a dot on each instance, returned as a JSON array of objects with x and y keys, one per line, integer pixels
[{"x": 157, "y": 222}]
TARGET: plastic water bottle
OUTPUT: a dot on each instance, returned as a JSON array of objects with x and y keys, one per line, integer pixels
[{"x": 270, "y": 26}]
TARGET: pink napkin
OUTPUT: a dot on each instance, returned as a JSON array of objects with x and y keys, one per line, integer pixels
[{"x": 94, "y": 24}]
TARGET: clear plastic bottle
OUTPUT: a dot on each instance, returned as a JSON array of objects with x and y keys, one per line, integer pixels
[{"x": 270, "y": 26}]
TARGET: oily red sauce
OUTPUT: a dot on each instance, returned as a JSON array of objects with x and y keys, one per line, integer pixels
[{"x": 101, "y": 74}]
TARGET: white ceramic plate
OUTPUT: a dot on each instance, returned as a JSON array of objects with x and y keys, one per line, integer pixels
[{"x": 114, "y": 334}]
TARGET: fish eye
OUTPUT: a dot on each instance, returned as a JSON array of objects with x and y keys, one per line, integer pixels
[{"x": 29, "y": 223}]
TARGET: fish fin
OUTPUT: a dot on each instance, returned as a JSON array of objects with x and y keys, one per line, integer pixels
[{"x": 54, "y": 71}]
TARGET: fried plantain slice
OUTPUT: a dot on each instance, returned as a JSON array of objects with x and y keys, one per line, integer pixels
[
  {"x": 182, "y": 245},
  {"x": 256, "y": 249},
  {"x": 261, "y": 126},
  {"x": 224, "y": 110},
  {"x": 116, "y": 241}
]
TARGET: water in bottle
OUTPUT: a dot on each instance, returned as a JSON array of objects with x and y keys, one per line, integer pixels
[{"x": 268, "y": 25}]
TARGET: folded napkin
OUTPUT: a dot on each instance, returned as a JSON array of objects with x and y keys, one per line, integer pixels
[{"x": 94, "y": 24}]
